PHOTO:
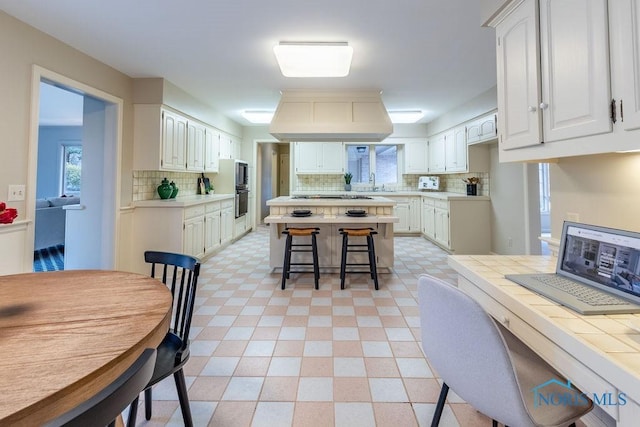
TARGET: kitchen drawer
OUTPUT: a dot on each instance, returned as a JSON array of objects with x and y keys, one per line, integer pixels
[
  {"x": 227, "y": 204},
  {"x": 193, "y": 211},
  {"x": 441, "y": 204},
  {"x": 212, "y": 207}
]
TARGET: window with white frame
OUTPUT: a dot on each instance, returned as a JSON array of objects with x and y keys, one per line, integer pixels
[
  {"x": 373, "y": 163},
  {"x": 71, "y": 170}
]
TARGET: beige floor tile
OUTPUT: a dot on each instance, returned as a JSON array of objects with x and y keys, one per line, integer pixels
[
  {"x": 279, "y": 389},
  {"x": 394, "y": 414},
  {"x": 308, "y": 414},
  {"x": 208, "y": 388},
  {"x": 289, "y": 348},
  {"x": 253, "y": 366},
  {"x": 233, "y": 414},
  {"x": 381, "y": 367},
  {"x": 317, "y": 367},
  {"x": 468, "y": 416},
  {"x": 351, "y": 390}
]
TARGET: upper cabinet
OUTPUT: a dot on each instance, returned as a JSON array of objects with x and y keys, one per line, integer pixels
[
  {"x": 566, "y": 71},
  {"x": 437, "y": 152},
  {"x": 320, "y": 157},
  {"x": 456, "y": 151},
  {"x": 482, "y": 129},
  {"x": 164, "y": 139},
  {"x": 416, "y": 156}
]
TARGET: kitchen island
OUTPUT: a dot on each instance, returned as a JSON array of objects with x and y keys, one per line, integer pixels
[{"x": 329, "y": 214}]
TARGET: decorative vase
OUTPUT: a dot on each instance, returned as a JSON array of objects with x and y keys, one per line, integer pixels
[
  {"x": 165, "y": 189},
  {"x": 174, "y": 190},
  {"x": 347, "y": 187}
]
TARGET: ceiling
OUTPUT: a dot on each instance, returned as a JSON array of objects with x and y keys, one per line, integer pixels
[{"x": 431, "y": 55}]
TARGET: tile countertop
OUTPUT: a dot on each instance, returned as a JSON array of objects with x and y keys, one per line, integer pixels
[
  {"x": 291, "y": 201},
  {"x": 183, "y": 202},
  {"x": 444, "y": 195}
]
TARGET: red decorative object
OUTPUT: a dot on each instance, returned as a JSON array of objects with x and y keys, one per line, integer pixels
[{"x": 7, "y": 215}]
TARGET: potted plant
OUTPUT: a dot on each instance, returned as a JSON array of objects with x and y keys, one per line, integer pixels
[{"x": 347, "y": 181}]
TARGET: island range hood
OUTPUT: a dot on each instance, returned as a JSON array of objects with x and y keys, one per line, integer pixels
[{"x": 357, "y": 116}]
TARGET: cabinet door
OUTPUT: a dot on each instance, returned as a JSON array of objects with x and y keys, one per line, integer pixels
[
  {"x": 415, "y": 217},
  {"x": 441, "y": 229},
  {"x": 416, "y": 157},
  {"x": 437, "y": 153},
  {"x": 576, "y": 85},
  {"x": 193, "y": 236},
  {"x": 456, "y": 151},
  {"x": 226, "y": 224},
  {"x": 174, "y": 140},
  {"x": 488, "y": 127},
  {"x": 307, "y": 154},
  {"x": 625, "y": 26},
  {"x": 225, "y": 147},
  {"x": 428, "y": 219},
  {"x": 211, "y": 151},
  {"x": 402, "y": 212},
  {"x": 212, "y": 231},
  {"x": 332, "y": 157},
  {"x": 518, "y": 78},
  {"x": 195, "y": 147}
]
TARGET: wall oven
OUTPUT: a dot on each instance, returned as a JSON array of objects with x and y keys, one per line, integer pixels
[{"x": 242, "y": 202}]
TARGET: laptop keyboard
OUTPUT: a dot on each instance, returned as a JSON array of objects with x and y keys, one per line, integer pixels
[{"x": 587, "y": 295}]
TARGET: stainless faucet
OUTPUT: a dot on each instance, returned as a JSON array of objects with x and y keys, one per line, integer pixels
[{"x": 372, "y": 179}]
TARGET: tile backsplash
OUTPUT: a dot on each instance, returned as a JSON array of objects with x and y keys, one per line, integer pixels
[
  {"x": 145, "y": 183},
  {"x": 453, "y": 183}
]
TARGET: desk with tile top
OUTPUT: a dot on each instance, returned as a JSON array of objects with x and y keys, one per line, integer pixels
[{"x": 600, "y": 354}]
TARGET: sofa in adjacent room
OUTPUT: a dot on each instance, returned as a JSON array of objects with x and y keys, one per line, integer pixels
[{"x": 50, "y": 221}]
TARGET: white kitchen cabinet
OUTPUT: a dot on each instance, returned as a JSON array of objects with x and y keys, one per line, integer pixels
[
  {"x": 194, "y": 237},
  {"x": 437, "y": 152},
  {"x": 583, "y": 96},
  {"x": 401, "y": 210},
  {"x": 482, "y": 129},
  {"x": 416, "y": 156},
  {"x": 408, "y": 209},
  {"x": 212, "y": 220},
  {"x": 319, "y": 157},
  {"x": 226, "y": 146},
  {"x": 211, "y": 150},
  {"x": 456, "y": 151},
  {"x": 428, "y": 218},
  {"x": 196, "y": 135},
  {"x": 227, "y": 221},
  {"x": 159, "y": 138},
  {"x": 461, "y": 225}
]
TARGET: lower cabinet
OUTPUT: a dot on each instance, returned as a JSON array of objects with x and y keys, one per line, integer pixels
[
  {"x": 459, "y": 225},
  {"x": 408, "y": 210},
  {"x": 196, "y": 230}
]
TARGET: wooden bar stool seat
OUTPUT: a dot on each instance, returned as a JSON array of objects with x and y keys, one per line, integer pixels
[
  {"x": 291, "y": 247},
  {"x": 358, "y": 247}
]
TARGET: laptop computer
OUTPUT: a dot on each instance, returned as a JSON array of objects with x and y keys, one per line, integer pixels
[{"x": 598, "y": 271}]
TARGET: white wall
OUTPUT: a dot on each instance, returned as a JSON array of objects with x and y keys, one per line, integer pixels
[
  {"x": 481, "y": 104},
  {"x": 600, "y": 189}
]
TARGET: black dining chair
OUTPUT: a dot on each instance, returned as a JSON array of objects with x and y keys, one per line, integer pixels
[
  {"x": 180, "y": 274},
  {"x": 103, "y": 408}
]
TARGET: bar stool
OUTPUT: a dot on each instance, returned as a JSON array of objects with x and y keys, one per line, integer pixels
[
  {"x": 347, "y": 247},
  {"x": 300, "y": 247}
]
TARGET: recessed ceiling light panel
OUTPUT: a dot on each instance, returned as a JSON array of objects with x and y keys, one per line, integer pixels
[
  {"x": 258, "y": 116},
  {"x": 314, "y": 59},
  {"x": 405, "y": 116}
]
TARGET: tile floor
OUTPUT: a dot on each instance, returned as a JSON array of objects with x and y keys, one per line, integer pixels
[{"x": 261, "y": 356}]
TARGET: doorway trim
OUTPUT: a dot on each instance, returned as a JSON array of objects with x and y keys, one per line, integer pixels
[{"x": 112, "y": 158}]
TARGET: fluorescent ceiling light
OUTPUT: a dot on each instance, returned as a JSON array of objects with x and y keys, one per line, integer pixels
[
  {"x": 258, "y": 117},
  {"x": 405, "y": 116},
  {"x": 314, "y": 59}
]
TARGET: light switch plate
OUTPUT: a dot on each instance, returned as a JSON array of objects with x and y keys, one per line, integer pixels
[{"x": 16, "y": 193}]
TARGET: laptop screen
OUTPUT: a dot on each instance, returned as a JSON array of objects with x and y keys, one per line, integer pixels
[{"x": 602, "y": 255}]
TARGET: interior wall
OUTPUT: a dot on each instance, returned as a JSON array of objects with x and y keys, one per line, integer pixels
[
  {"x": 599, "y": 189},
  {"x": 266, "y": 176},
  {"x": 481, "y": 104},
  {"x": 50, "y": 142},
  {"x": 23, "y": 46},
  {"x": 509, "y": 218}
]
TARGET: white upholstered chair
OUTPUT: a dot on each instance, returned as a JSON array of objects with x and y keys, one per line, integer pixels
[{"x": 485, "y": 364}]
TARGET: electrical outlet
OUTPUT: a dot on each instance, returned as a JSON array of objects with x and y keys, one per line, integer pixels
[{"x": 16, "y": 193}]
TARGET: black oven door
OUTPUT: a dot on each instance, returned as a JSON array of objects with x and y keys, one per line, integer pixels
[{"x": 242, "y": 202}]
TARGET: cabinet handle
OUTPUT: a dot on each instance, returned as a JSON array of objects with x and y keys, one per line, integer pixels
[
  {"x": 543, "y": 105},
  {"x": 613, "y": 110},
  {"x": 532, "y": 109}
]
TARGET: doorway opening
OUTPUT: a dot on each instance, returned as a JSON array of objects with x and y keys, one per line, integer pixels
[
  {"x": 74, "y": 174},
  {"x": 273, "y": 172},
  {"x": 545, "y": 206}
]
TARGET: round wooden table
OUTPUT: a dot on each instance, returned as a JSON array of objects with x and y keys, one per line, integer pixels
[{"x": 65, "y": 335}]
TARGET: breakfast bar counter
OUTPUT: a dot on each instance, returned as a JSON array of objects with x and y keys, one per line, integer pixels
[{"x": 329, "y": 214}]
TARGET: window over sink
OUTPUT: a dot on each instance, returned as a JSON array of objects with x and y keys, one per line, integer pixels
[{"x": 373, "y": 164}]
